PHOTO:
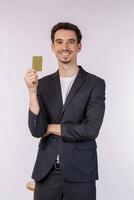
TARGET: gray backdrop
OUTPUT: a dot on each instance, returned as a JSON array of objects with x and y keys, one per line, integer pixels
[{"x": 108, "y": 48}]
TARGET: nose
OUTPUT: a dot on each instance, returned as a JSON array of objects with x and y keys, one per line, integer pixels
[{"x": 65, "y": 46}]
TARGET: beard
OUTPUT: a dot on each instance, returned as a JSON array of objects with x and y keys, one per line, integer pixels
[{"x": 65, "y": 60}]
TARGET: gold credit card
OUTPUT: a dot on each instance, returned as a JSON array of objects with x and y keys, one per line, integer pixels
[{"x": 37, "y": 63}]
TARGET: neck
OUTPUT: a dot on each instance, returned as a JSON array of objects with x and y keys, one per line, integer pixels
[{"x": 66, "y": 70}]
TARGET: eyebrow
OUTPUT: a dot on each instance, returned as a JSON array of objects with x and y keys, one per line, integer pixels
[{"x": 71, "y": 39}]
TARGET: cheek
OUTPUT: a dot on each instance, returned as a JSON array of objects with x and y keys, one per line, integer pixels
[
  {"x": 56, "y": 51},
  {"x": 76, "y": 51}
]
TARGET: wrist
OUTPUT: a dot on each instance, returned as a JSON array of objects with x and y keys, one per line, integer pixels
[{"x": 32, "y": 93}]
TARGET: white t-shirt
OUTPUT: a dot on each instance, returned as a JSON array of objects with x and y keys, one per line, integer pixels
[{"x": 66, "y": 84}]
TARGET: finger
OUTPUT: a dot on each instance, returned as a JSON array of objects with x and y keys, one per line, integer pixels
[
  {"x": 31, "y": 75},
  {"x": 31, "y": 72}
]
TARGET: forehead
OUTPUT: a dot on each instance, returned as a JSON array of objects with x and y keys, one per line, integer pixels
[{"x": 65, "y": 34}]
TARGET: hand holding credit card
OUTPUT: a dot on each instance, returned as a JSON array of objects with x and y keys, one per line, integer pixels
[{"x": 37, "y": 63}]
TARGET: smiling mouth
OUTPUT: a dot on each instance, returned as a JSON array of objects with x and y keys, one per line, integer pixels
[{"x": 65, "y": 53}]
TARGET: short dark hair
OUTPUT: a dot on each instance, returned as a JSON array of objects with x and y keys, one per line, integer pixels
[{"x": 66, "y": 26}]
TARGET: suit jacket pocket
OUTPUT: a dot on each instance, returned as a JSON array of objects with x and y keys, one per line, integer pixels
[
  {"x": 88, "y": 145},
  {"x": 42, "y": 143}
]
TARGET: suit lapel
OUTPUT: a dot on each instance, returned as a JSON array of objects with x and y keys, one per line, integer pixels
[{"x": 79, "y": 80}]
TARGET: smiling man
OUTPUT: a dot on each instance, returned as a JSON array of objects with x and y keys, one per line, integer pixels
[
  {"x": 66, "y": 47},
  {"x": 66, "y": 111}
]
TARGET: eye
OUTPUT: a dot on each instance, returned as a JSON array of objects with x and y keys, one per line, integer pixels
[
  {"x": 71, "y": 42},
  {"x": 59, "y": 42}
]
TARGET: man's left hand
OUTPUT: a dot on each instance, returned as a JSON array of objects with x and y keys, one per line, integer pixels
[{"x": 53, "y": 129}]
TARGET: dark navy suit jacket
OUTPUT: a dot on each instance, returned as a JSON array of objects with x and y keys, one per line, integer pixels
[{"x": 80, "y": 117}]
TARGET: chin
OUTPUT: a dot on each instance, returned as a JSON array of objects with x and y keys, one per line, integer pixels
[{"x": 65, "y": 61}]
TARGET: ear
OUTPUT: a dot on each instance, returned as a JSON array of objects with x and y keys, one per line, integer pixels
[{"x": 79, "y": 47}]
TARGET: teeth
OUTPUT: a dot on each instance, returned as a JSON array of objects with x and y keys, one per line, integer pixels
[{"x": 65, "y": 54}]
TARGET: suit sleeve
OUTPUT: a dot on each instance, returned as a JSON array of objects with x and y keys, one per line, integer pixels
[
  {"x": 89, "y": 128},
  {"x": 38, "y": 123}
]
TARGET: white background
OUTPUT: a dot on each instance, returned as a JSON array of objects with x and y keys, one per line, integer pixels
[{"x": 108, "y": 48}]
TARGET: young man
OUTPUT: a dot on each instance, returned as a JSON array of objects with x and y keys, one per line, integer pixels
[{"x": 66, "y": 111}]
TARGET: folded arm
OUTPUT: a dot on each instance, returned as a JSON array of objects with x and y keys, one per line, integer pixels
[{"x": 90, "y": 126}]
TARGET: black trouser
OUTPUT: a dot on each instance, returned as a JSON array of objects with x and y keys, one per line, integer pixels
[{"x": 54, "y": 187}]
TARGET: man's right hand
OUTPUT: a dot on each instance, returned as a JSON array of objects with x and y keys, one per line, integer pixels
[{"x": 31, "y": 79}]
